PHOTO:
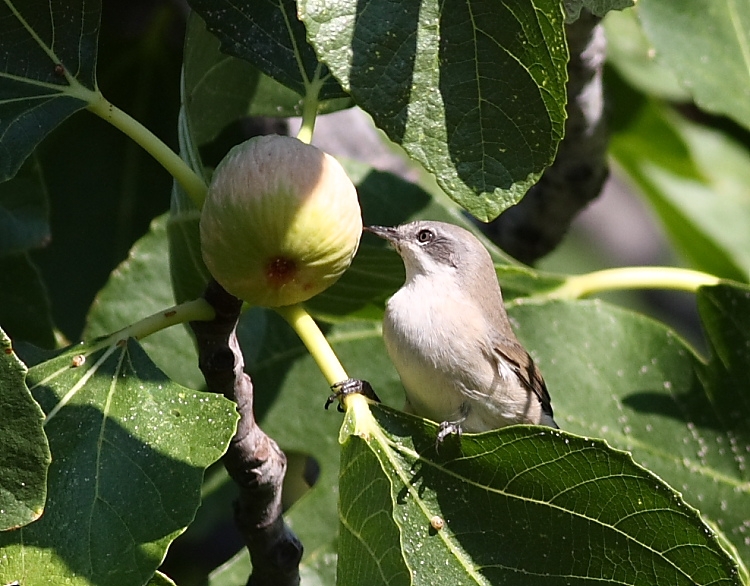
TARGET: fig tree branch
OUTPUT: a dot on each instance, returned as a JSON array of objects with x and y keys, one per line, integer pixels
[{"x": 254, "y": 461}]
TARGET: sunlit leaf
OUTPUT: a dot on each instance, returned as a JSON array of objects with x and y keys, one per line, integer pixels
[
  {"x": 518, "y": 505},
  {"x": 705, "y": 42},
  {"x": 630, "y": 52},
  {"x": 696, "y": 179},
  {"x": 129, "y": 448},
  {"x": 628, "y": 379},
  {"x": 474, "y": 91},
  {"x": 140, "y": 287},
  {"x": 25, "y": 456}
]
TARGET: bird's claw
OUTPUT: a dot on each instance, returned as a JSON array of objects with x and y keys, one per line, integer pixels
[
  {"x": 447, "y": 428},
  {"x": 350, "y": 386}
]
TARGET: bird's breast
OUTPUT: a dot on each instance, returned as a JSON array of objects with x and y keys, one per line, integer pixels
[{"x": 434, "y": 339}]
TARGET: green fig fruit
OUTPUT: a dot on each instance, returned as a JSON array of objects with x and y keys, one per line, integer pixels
[{"x": 281, "y": 221}]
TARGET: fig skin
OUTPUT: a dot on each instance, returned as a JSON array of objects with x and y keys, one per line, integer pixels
[{"x": 281, "y": 221}]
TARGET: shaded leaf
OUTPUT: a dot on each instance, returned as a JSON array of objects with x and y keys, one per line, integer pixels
[
  {"x": 628, "y": 379},
  {"x": 696, "y": 179},
  {"x": 598, "y": 7},
  {"x": 24, "y": 306},
  {"x": 25, "y": 456},
  {"x": 507, "y": 501},
  {"x": 188, "y": 272},
  {"x": 268, "y": 34},
  {"x": 705, "y": 42},
  {"x": 473, "y": 91},
  {"x": 24, "y": 211},
  {"x": 47, "y": 71},
  {"x": 220, "y": 89},
  {"x": 129, "y": 448},
  {"x": 139, "y": 287}
]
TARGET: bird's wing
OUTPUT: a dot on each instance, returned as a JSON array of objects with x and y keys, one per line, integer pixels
[{"x": 521, "y": 363}]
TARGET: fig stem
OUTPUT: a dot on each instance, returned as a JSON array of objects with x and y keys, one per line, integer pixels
[
  {"x": 631, "y": 278},
  {"x": 195, "y": 310},
  {"x": 310, "y": 106},
  {"x": 190, "y": 181},
  {"x": 314, "y": 341}
]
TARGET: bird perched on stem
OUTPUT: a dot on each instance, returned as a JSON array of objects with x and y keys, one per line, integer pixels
[{"x": 447, "y": 333}]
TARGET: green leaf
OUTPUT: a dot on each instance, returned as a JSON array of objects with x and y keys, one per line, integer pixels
[
  {"x": 268, "y": 34},
  {"x": 25, "y": 455},
  {"x": 188, "y": 272},
  {"x": 632, "y": 55},
  {"x": 220, "y": 89},
  {"x": 23, "y": 211},
  {"x": 160, "y": 579},
  {"x": 24, "y": 306},
  {"x": 129, "y": 448},
  {"x": 47, "y": 71},
  {"x": 517, "y": 505},
  {"x": 705, "y": 42},
  {"x": 474, "y": 91},
  {"x": 598, "y": 7},
  {"x": 626, "y": 378},
  {"x": 140, "y": 287},
  {"x": 695, "y": 178}
]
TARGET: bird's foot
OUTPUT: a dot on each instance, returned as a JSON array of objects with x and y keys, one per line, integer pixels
[
  {"x": 350, "y": 386},
  {"x": 447, "y": 428}
]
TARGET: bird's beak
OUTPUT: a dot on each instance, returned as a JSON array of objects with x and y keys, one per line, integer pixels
[{"x": 386, "y": 232}]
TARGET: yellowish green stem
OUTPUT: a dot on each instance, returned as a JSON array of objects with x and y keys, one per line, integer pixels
[
  {"x": 310, "y": 107},
  {"x": 631, "y": 278},
  {"x": 196, "y": 310},
  {"x": 190, "y": 181},
  {"x": 315, "y": 342}
]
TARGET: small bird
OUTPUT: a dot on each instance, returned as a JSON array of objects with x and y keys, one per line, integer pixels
[{"x": 449, "y": 337}]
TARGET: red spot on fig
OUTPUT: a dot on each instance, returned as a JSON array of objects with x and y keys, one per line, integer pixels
[
  {"x": 170, "y": 313},
  {"x": 8, "y": 350},
  {"x": 280, "y": 271}
]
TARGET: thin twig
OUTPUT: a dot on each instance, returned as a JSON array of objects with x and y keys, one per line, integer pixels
[{"x": 253, "y": 460}]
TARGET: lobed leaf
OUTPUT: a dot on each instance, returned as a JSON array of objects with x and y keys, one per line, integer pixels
[
  {"x": 138, "y": 288},
  {"x": 24, "y": 222},
  {"x": 628, "y": 379},
  {"x": 25, "y": 312},
  {"x": 129, "y": 448},
  {"x": 268, "y": 34},
  {"x": 220, "y": 89},
  {"x": 696, "y": 180},
  {"x": 516, "y": 505},
  {"x": 598, "y": 7},
  {"x": 47, "y": 71},
  {"x": 705, "y": 43},
  {"x": 25, "y": 457},
  {"x": 474, "y": 91}
]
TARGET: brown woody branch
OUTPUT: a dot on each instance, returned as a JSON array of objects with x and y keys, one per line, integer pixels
[{"x": 253, "y": 460}]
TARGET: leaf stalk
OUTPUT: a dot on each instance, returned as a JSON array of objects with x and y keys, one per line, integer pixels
[
  {"x": 190, "y": 181},
  {"x": 632, "y": 278}
]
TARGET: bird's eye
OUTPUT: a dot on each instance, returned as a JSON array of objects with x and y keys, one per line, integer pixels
[{"x": 425, "y": 236}]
